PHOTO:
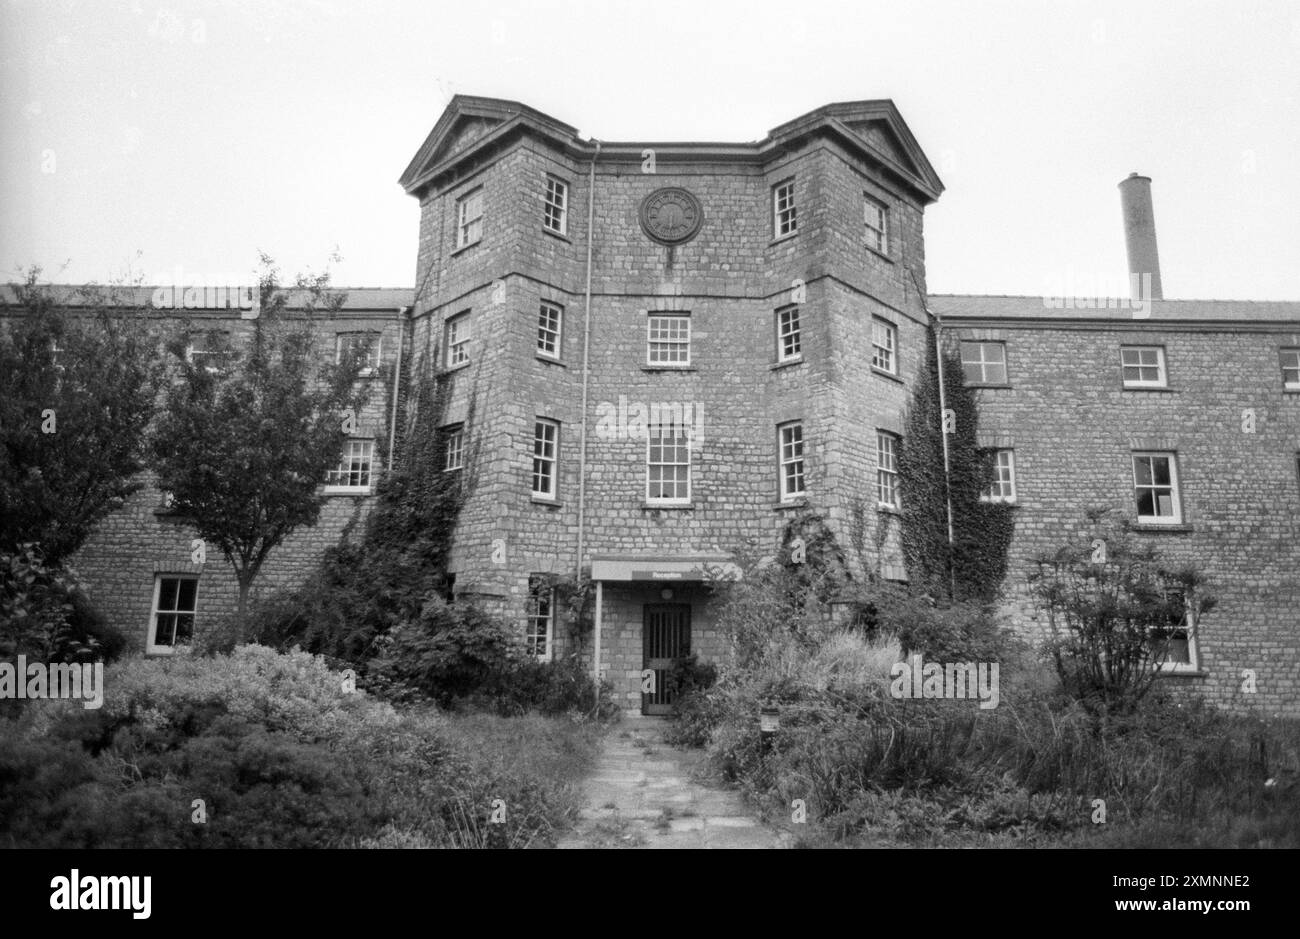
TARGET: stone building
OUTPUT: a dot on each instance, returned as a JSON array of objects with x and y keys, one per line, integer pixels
[
  {"x": 140, "y": 565},
  {"x": 668, "y": 350},
  {"x": 657, "y": 353}
]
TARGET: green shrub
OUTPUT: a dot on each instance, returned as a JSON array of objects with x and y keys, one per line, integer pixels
[
  {"x": 45, "y": 614},
  {"x": 450, "y": 652},
  {"x": 552, "y": 688},
  {"x": 282, "y": 756}
]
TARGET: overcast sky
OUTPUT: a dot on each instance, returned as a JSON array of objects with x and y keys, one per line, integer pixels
[{"x": 200, "y": 133}]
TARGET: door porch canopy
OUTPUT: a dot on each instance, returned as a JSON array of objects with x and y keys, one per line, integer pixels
[{"x": 621, "y": 568}]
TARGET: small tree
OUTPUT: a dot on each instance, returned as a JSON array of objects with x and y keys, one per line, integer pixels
[
  {"x": 77, "y": 392},
  {"x": 973, "y": 567},
  {"x": 245, "y": 447},
  {"x": 1115, "y": 612}
]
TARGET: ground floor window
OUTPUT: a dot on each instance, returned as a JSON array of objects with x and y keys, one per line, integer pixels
[
  {"x": 175, "y": 603},
  {"x": 540, "y": 626}
]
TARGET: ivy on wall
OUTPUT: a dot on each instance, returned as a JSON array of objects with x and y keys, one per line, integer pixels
[
  {"x": 365, "y": 588},
  {"x": 974, "y": 566}
]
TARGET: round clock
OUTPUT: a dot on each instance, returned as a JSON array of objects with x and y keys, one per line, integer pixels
[{"x": 671, "y": 216}]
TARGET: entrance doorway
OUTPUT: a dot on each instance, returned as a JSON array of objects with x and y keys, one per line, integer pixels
[{"x": 665, "y": 637}]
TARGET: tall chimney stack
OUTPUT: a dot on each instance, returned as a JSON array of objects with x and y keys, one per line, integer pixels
[{"x": 1140, "y": 234}]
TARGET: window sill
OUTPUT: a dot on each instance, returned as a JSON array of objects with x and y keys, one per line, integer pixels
[
  {"x": 786, "y": 504},
  {"x": 447, "y": 370},
  {"x": 884, "y": 374},
  {"x": 666, "y": 506},
  {"x": 878, "y": 253},
  {"x": 782, "y": 238},
  {"x": 1182, "y": 673},
  {"x": 472, "y": 244},
  {"x": 1158, "y": 388},
  {"x": 347, "y": 491},
  {"x": 561, "y": 236},
  {"x": 550, "y": 503},
  {"x": 549, "y": 360},
  {"x": 888, "y": 510},
  {"x": 787, "y": 363},
  {"x": 1291, "y": 391},
  {"x": 669, "y": 368},
  {"x": 981, "y": 386},
  {"x": 1156, "y": 528}
]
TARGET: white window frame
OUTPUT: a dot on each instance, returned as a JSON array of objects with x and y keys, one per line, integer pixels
[
  {"x": 469, "y": 228},
  {"x": 789, "y": 334},
  {"x": 533, "y": 617},
  {"x": 546, "y": 455},
  {"x": 1193, "y": 664},
  {"x": 457, "y": 335},
  {"x": 887, "y": 352},
  {"x": 877, "y": 238},
  {"x": 1003, "y": 487},
  {"x": 1174, "y": 494},
  {"x": 984, "y": 362},
  {"x": 667, "y": 341},
  {"x": 545, "y": 312},
  {"x": 1162, "y": 378},
  {"x": 785, "y": 211},
  {"x": 793, "y": 468},
  {"x": 374, "y": 354},
  {"x": 354, "y": 448},
  {"x": 152, "y": 646},
  {"x": 887, "y": 469},
  {"x": 555, "y": 212},
  {"x": 453, "y": 448},
  {"x": 654, "y": 432},
  {"x": 223, "y": 355},
  {"x": 1293, "y": 366}
]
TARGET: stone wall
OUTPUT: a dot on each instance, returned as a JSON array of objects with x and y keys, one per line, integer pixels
[{"x": 1073, "y": 429}]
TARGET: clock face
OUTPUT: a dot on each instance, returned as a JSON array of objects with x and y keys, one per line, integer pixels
[{"x": 671, "y": 216}]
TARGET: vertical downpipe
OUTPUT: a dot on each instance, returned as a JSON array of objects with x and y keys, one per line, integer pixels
[
  {"x": 586, "y": 372},
  {"x": 402, "y": 312},
  {"x": 943, "y": 434}
]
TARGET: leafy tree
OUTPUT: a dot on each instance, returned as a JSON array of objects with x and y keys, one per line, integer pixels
[
  {"x": 363, "y": 589},
  {"x": 45, "y": 615},
  {"x": 77, "y": 393},
  {"x": 973, "y": 567},
  {"x": 245, "y": 445},
  {"x": 1115, "y": 611}
]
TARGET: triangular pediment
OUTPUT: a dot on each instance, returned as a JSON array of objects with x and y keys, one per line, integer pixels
[
  {"x": 879, "y": 129},
  {"x": 465, "y": 122},
  {"x": 882, "y": 137}
]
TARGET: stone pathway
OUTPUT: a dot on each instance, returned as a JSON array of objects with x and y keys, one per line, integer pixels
[{"x": 642, "y": 794}]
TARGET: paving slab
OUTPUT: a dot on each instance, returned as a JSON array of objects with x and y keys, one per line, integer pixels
[{"x": 644, "y": 793}]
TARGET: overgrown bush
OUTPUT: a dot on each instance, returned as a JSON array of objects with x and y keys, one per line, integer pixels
[
  {"x": 283, "y": 755},
  {"x": 45, "y": 614},
  {"x": 1114, "y": 609},
  {"x": 450, "y": 652}
]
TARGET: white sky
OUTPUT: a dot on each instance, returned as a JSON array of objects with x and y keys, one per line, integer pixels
[{"x": 198, "y": 133}]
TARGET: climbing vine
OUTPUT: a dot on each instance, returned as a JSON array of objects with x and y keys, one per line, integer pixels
[
  {"x": 366, "y": 587},
  {"x": 975, "y": 564}
]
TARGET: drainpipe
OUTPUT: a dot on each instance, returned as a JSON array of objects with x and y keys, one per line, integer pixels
[
  {"x": 586, "y": 373},
  {"x": 943, "y": 434},
  {"x": 397, "y": 383}
]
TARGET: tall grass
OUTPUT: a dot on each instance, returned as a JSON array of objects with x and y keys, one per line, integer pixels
[{"x": 1036, "y": 768}]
